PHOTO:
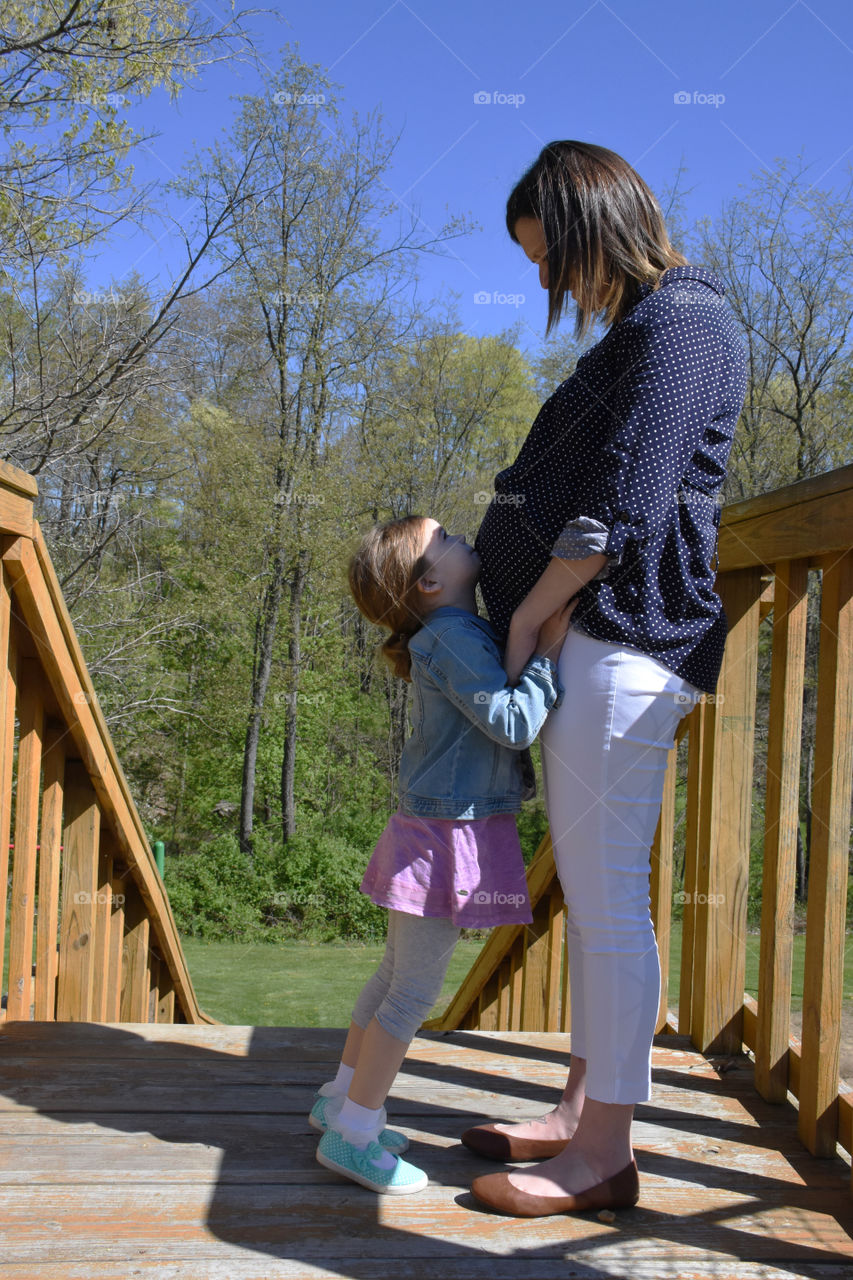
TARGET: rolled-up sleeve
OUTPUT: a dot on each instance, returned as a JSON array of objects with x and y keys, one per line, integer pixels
[
  {"x": 582, "y": 538},
  {"x": 659, "y": 410}
]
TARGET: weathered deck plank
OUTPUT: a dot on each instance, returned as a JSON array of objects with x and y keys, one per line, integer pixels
[{"x": 165, "y": 1151}]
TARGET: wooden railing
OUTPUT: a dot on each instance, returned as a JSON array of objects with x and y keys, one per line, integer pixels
[
  {"x": 767, "y": 545},
  {"x": 91, "y": 933}
]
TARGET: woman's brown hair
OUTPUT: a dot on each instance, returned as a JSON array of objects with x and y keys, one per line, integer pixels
[
  {"x": 383, "y": 575},
  {"x": 603, "y": 228}
]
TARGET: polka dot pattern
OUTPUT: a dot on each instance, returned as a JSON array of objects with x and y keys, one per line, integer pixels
[{"x": 638, "y": 438}]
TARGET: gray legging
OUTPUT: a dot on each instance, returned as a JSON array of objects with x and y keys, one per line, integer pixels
[{"x": 409, "y": 979}]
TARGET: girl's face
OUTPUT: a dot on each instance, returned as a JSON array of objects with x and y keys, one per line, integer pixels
[{"x": 452, "y": 562}]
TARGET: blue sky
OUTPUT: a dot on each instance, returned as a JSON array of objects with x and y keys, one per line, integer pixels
[{"x": 757, "y": 81}]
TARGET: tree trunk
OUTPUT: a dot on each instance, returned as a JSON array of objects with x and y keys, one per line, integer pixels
[
  {"x": 288, "y": 763},
  {"x": 808, "y": 848},
  {"x": 800, "y": 890},
  {"x": 265, "y": 630}
]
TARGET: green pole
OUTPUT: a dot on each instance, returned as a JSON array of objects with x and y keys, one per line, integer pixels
[{"x": 160, "y": 856}]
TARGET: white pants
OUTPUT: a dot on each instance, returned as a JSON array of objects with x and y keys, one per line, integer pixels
[{"x": 604, "y": 755}]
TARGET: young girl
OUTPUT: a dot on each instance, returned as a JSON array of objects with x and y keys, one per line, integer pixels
[{"x": 450, "y": 856}]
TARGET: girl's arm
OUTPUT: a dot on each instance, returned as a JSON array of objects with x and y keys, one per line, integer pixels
[
  {"x": 465, "y": 665},
  {"x": 560, "y": 581}
]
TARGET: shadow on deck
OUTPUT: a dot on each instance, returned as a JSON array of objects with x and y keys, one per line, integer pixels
[{"x": 179, "y": 1151}]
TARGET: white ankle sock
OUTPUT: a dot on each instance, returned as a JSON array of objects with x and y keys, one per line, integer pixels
[
  {"x": 361, "y": 1126},
  {"x": 340, "y": 1084}
]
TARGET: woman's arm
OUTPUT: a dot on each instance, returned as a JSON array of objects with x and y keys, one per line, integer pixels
[{"x": 560, "y": 581}]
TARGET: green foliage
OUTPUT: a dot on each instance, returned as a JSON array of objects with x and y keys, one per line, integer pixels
[{"x": 308, "y": 889}]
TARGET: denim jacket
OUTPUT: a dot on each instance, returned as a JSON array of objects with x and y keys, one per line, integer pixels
[{"x": 469, "y": 725}]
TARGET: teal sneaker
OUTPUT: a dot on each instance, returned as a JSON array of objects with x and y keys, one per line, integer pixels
[
  {"x": 402, "y": 1179},
  {"x": 390, "y": 1139}
]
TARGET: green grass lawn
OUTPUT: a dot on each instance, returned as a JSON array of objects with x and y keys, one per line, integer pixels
[
  {"x": 295, "y": 984},
  {"x": 308, "y": 984},
  {"x": 315, "y": 985}
]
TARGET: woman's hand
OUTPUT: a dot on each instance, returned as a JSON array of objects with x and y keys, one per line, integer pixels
[{"x": 554, "y": 630}]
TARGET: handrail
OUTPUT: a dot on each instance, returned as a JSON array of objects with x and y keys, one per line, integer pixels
[
  {"x": 105, "y": 940},
  {"x": 520, "y": 981}
]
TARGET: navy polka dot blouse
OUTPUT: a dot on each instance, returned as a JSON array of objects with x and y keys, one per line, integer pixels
[{"x": 628, "y": 457}]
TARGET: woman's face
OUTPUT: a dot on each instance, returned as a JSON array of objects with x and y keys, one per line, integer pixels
[{"x": 531, "y": 237}]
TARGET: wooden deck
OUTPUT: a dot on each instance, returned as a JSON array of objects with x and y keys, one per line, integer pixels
[{"x": 177, "y": 1152}]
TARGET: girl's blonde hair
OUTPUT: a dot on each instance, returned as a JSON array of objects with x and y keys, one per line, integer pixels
[{"x": 383, "y": 576}]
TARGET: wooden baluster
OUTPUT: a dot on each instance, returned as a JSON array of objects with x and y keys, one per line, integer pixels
[
  {"x": 504, "y": 995},
  {"x": 660, "y": 891},
  {"x": 696, "y": 746},
  {"x": 79, "y": 896},
  {"x": 719, "y": 956},
  {"x": 489, "y": 1001},
  {"x": 22, "y": 921},
  {"x": 166, "y": 1003},
  {"x": 135, "y": 977},
  {"x": 827, "y": 886},
  {"x": 534, "y": 968},
  {"x": 780, "y": 829},
  {"x": 116, "y": 945},
  {"x": 565, "y": 988},
  {"x": 103, "y": 927},
  {"x": 154, "y": 985},
  {"x": 50, "y": 853},
  {"x": 556, "y": 926},
  {"x": 8, "y": 698}
]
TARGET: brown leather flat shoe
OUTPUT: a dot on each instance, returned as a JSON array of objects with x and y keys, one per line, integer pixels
[
  {"x": 622, "y": 1191},
  {"x": 490, "y": 1142}
]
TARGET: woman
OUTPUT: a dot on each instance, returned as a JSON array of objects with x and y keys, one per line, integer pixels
[{"x": 614, "y": 497}]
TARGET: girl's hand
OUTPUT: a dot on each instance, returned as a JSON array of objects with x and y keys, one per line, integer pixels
[{"x": 554, "y": 630}]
